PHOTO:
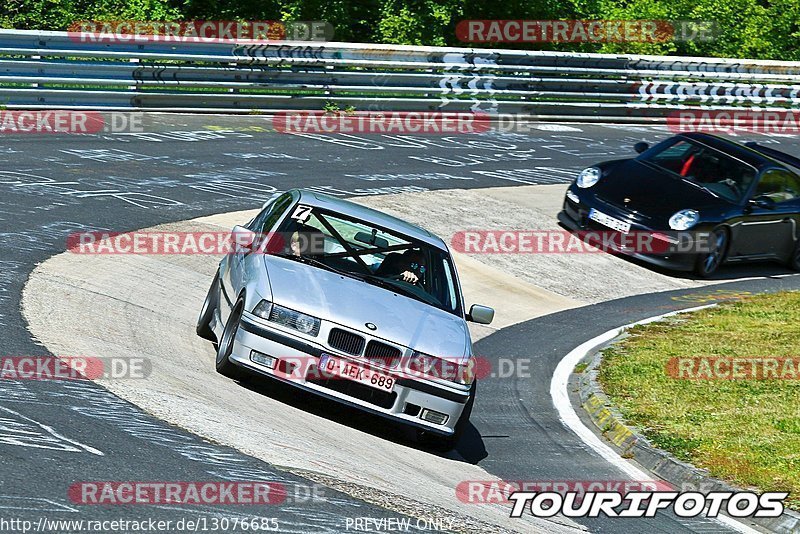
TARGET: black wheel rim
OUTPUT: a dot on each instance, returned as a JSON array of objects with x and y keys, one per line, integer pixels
[
  {"x": 714, "y": 257},
  {"x": 228, "y": 337},
  {"x": 206, "y": 305},
  {"x": 204, "y": 312}
]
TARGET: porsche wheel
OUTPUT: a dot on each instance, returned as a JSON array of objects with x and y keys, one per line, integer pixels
[
  {"x": 794, "y": 261},
  {"x": 708, "y": 262}
]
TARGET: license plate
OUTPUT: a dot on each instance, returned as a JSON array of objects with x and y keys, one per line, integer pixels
[
  {"x": 333, "y": 366},
  {"x": 609, "y": 221}
]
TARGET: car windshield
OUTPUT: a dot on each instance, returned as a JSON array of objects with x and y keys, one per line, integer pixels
[
  {"x": 372, "y": 254},
  {"x": 715, "y": 171}
]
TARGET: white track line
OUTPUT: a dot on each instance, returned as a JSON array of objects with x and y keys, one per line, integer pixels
[
  {"x": 559, "y": 392},
  {"x": 53, "y": 433}
]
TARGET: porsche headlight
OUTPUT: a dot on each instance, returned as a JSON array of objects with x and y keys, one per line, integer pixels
[
  {"x": 684, "y": 219},
  {"x": 588, "y": 177}
]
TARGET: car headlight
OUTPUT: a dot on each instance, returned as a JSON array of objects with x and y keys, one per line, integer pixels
[
  {"x": 287, "y": 317},
  {"x": 588, "y": 177},
  {"x": 684, "y": 219},
  {"x": 443, "y": 368},
  {"x": 263, "y": 309}
]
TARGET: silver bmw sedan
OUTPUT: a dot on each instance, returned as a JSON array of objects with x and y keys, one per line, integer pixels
[{"x": 351, "y": 304}]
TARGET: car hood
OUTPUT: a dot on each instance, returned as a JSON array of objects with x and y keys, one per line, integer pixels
[
  {"x": 645, "y": 189},
  {"x": 353, "y": 303}
]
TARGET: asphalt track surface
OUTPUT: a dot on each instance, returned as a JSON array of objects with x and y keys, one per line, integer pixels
[
  {"x": 515, "y": 425},
  {"x": 186, "y": 167}
]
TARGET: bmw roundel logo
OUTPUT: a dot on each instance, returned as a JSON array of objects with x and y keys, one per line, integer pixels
[{"x": 371, "y": 326}]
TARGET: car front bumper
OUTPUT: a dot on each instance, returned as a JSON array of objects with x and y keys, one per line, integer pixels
[
  {"x": 405, "y": 403},
  {"x": 574, "y": 216}
]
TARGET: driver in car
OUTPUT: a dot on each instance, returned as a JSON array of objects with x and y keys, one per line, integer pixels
[
  {"x": 306, "y": 241},
  {"x": 408, "y": 266}
]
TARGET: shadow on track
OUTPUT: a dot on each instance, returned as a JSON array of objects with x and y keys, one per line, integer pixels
[{"x": 470, "y": 448}]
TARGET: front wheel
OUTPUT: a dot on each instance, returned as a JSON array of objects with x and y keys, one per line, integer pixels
[
  {"x": 794, "y": 261},
  {"x": 708, "y": 262},
  {"x": 224, "y": 366},
  {"x": 203, "y": 327},
  {"x": 448, "y": 443}
]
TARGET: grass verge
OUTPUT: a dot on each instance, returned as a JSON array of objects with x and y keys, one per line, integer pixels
[{"x": 745, "y": 431}]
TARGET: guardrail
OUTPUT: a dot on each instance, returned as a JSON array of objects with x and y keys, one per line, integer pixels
[{"x": 49, "y": 70}]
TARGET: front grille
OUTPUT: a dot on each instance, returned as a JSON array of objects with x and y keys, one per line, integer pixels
[
  {"x": 382, "y": 353},
  {"x": 623, "y": 209},
  {"x": 383, "y": 399},
  {"x": 346, "y": 341}
]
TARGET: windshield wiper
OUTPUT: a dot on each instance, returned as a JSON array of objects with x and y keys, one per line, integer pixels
[
  {"x": 308, "y": 260},
  {"x": 394, "y": 286},
  {"x": 703, "y": 187}
]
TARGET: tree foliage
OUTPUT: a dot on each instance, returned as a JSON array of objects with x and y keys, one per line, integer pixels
[{"x": 767, "y": 29}]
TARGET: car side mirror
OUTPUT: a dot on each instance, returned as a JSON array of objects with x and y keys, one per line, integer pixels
[
  {"x": 242, "y": 239},
  {"x": 480, "y": 314},
  {"x": 640, "y": 147},
  {"x": 763, "y": 201}
]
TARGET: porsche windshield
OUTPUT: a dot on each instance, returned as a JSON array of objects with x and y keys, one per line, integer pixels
[
  {"x": 715, "y": 171},
  {"x": 355, "y": 248}
]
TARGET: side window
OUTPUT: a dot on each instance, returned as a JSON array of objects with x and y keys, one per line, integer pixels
[
  {"x": 258, "y": 220},
  {"x": 779, "y": 185},
  {"x": 265, "y": 221},
  {"x": 793, "y": 185},
  {"x": 275, "y": 211},
  {"x": 449, "y": 288}
]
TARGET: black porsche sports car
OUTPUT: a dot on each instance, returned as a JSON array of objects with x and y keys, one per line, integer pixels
[{"x": 745, "y": 200}]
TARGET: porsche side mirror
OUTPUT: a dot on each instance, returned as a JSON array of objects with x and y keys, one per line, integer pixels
[
  {"x": 763, "y": 201},
  {"x": 480, "y": 314},
  {"x": 640, "y": 147}
]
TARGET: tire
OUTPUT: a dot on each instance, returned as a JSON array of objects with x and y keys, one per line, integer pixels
[
  {"x": 794, "y": 261},
  {"x": 448, "y": 443},
  {"x": 225, "y": 348},
  {"x": 707, "y": 263},
  {"x": 210, "y": 305}
]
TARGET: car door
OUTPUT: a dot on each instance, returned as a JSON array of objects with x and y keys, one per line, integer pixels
[
  {"x": 235, "y": 267},
  {"x": 768, "y": 226}
]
